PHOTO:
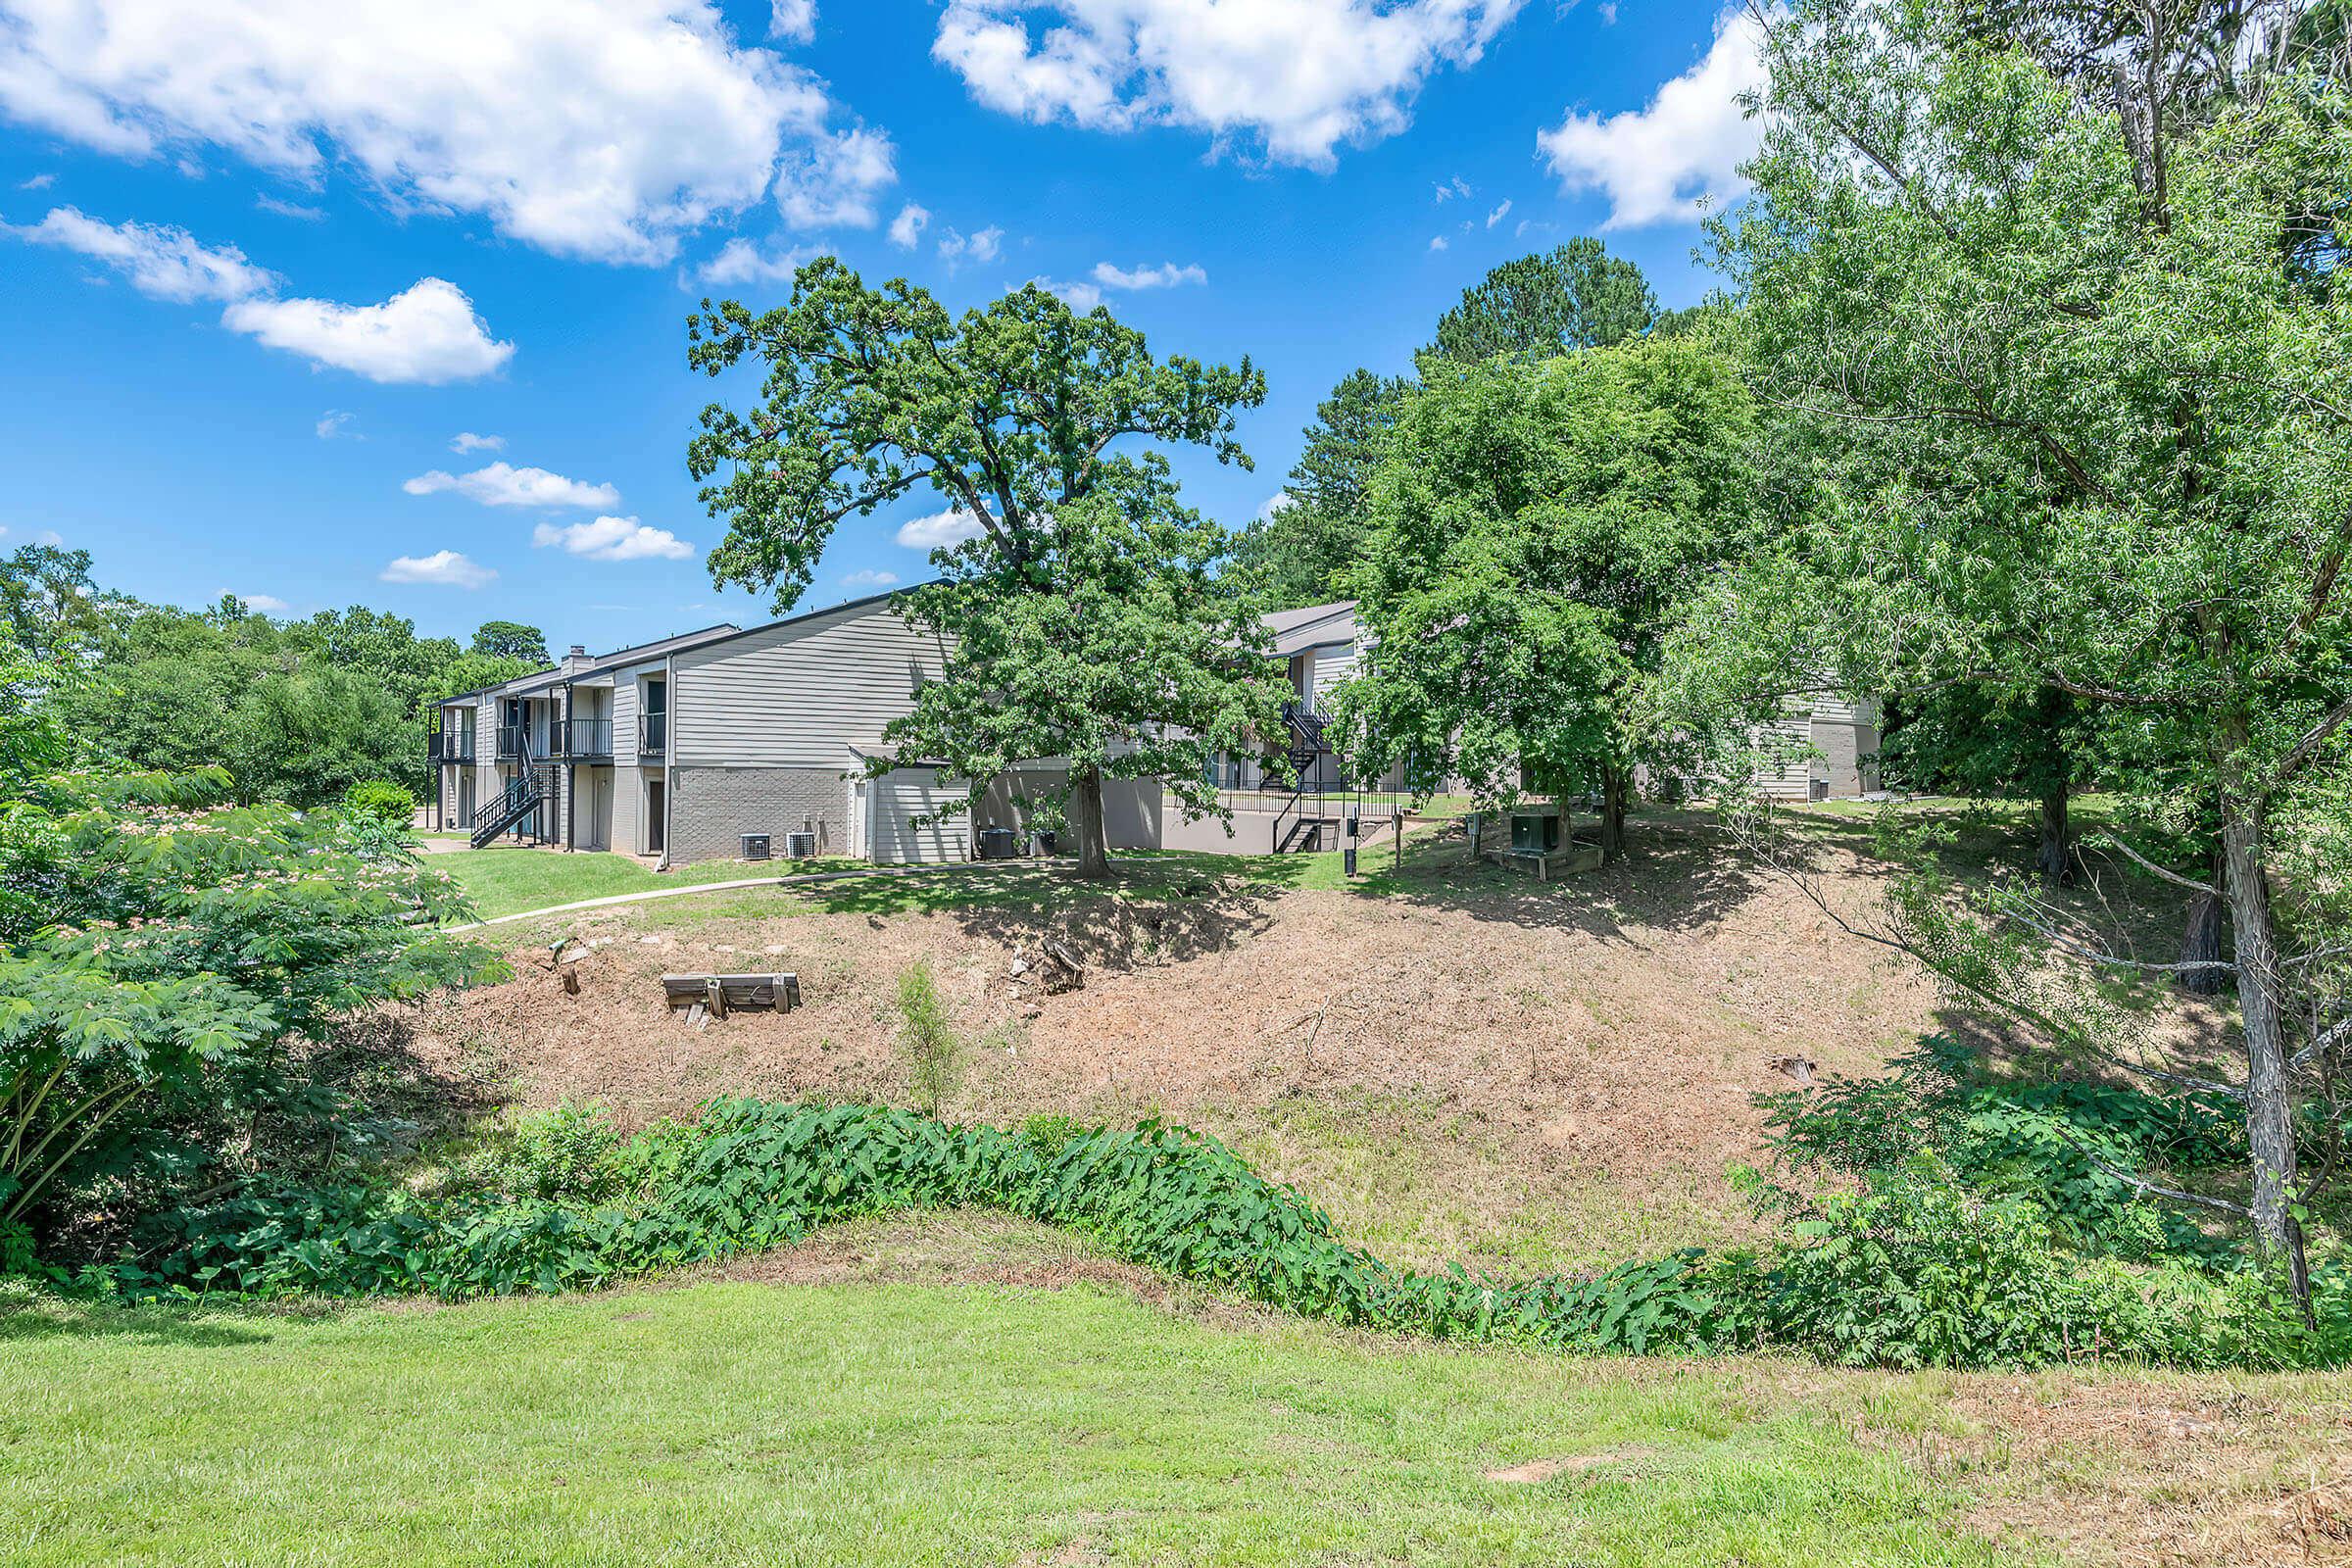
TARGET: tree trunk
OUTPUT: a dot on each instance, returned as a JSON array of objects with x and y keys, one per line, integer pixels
[
  {"x": 1087, "y": 825},
  {"x": 2201, "y": 941},
  {"x": 2269, "y": 1117},
  {"x": 1614, "y": 793},
  {"x": 2054, "y": 855}
]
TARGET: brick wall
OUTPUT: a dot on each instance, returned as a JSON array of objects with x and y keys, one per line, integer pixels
[{"x": 714, "y": 806}]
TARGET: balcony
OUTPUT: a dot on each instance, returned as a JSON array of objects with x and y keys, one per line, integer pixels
[
  {"x": 588, "y": 739},
  {"x": 653, "y": 734},
  {"x": 449, "y": 747},
  {"x": 514, "y": 742}
]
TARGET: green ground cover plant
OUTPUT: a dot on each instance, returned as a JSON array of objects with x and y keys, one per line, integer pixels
[{"x": 1910, "y": 1270}]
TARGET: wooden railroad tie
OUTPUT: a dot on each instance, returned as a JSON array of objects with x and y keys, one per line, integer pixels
[{"x": 718, "y": 995}]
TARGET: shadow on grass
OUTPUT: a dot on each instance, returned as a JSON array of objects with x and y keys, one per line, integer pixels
[{"x": 207, "y": 1327}]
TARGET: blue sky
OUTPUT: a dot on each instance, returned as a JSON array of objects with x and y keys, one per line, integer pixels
[{"x": 266, "y": 263}]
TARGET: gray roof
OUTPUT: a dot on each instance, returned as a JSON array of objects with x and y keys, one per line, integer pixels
[
  {"x": 1314, "y": 626},
  {"x": 549, "y": 675}
]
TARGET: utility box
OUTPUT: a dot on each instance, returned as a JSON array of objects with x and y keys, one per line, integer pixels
[
  {"x": 999, "y": 844},
  {"x": 801, "y": 846},
  {"x": 756, "y": 847},
  {"x": 1533, "y": 834}
]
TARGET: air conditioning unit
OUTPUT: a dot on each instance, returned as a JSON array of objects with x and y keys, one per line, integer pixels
[
  {"x": 999, "y": 844},
  {"x": 754, "y": 845},
  {"x": 801, "y": 846}
]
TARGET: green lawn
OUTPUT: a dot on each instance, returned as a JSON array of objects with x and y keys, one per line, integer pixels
[
  {"x": 510, "y": 881},
  {"x": 901, "y": 1423},
  {"x": 503, "y": 882}
]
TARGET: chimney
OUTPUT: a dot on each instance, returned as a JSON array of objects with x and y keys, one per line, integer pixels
[{"x": 578, "y": 659}]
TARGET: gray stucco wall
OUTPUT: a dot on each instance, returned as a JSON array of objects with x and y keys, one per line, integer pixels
[{"x": 715, "y": 806}]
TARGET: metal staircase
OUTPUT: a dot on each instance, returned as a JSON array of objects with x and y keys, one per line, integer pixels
[{"x": 525, "y": 794}]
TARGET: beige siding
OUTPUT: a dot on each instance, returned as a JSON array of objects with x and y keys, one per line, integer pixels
[
  {"x": 797, "y": 695},
  {"x": 900, "y": 797}
]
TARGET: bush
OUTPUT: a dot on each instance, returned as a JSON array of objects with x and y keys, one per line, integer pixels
[
  {"x": 2020, "y": 1139},
  {"x": 934, "y": 1055},
  {"x": 1912, "y": 1271},
  {"x": 381, "y": 801}
]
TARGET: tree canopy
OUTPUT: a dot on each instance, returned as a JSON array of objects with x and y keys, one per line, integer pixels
[
  {"x": 510, "y": 640},
  {"x": 1297, "y": 553},
  {"x": 1536, "y": 527},
  {"x": 2093, "y": 258},
  {"x": 1574, "y": 296},
  {"x": 1014, "y": 414}
]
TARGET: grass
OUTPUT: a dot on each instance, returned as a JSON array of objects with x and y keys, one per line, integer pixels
[
  {"x": 511, "y": 881},
  {"x": 897, "y": 1423}
]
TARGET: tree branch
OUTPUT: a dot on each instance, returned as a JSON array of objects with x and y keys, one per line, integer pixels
[{"x": 2153, "y": 869}]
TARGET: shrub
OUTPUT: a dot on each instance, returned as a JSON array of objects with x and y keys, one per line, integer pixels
[
  {"x": 569, "y": 1152},
  {"x": 1911, "y": 1271},
  {"x": 2026, "y": 1140},
  {"x": 934, "y": 1055},
  {"x": 381, "y": 801}
]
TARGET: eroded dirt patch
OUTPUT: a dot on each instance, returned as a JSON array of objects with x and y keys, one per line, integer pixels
[{"x": 1561, "y": 1072}]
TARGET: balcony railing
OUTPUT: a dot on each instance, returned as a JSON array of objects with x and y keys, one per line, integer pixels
[
  {"x": 588, "y": 737},
  {"x": 653, "y": 734},
  {"x": 514, "y": 742},
  {"x": 449, "y": 745}
]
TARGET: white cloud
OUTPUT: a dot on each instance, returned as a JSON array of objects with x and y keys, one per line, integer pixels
[
  {"x": 467, "y": 441},
  {"x": 1167, "y": 275},
  {"x": 1457, "y": 186},
  {"x": 955, "y": 247},
  {"x": 502, "y": 484},
  {"x": 260, "y": 604},
  {"x": 1659, "y": 163},
  {"x": 613, "y": 539},
  {"x": 940, "y": 529},
  {"x": 1298, "y": 77},
  {"x": 270, "y": 204},
  {"x": 427, "y": 334},
  {"x": 160, "y": 262},
  {"x": 1499, "y": 213},
  {"x": 739, "y": 260},
  {"x": 1437, "y": 242},
  {"x": 792, "y": 21},
  {"x": 835, "y": 178},
  {"x": 332, "y": 423},
  {"x": 41, "y": 181},
  {"x": 443, "y": 566},
  {"x": 46, "y": 536},
  {"x": 603, "y": 128},
  {"x": 1077, "y": 296},
  {"x": 870, "y": 579},
  {"x": 907, "y": 229},
  {"x": 1281, "y": 501}
]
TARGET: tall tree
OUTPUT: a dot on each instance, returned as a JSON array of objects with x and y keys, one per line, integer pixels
[
  {"x": 1536, "y": 527},
  {"x": 2121, "y": 274},
  {"x": 1012, "y": 413},
  {"x": 1298, "y": 552},
  {"x": 1574, "y": 296},
  {"x": 510, "y": 639}
]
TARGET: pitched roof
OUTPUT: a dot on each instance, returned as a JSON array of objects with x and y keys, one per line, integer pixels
[{"x": 1313, "y": 626}]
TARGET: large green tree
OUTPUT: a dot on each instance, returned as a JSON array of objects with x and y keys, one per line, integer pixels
[
  {"x": 1297, "y": 554},
  {"x": 2100, "y": 246},
  {"x": 1138, "y": 666},
  {"x": 1573, "y": 296},
  {"x": 510, "y": 639},
  {"x": 1016, "y": 414},
  {"x": 1537, "y": 526}
]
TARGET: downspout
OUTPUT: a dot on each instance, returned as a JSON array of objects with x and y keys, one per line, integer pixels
[
  {"x": 571, "y": 780},
  {"x": 669, "y": 750}
]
